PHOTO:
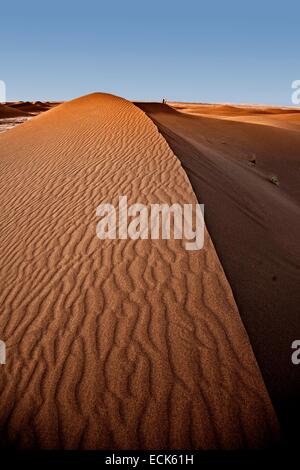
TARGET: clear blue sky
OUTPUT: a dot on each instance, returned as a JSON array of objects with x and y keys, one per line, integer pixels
[{"x": 211, "y": 51}]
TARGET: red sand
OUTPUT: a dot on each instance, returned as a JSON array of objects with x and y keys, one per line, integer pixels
[
  {"x": 254, "y": 224},
  {"x": 8, "y": 112},
  {"x": 133, "y": 344}
]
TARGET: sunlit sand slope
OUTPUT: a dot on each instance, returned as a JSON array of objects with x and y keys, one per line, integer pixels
[{"x": 113, "y": 344}]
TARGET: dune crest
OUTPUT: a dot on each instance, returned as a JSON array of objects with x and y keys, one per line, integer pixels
[{"x": 113, "y": 344}]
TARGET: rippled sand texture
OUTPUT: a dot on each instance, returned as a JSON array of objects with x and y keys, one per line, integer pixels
[
  {"x": 113, "y": 344},
  {"x": 231, "y": 155}
]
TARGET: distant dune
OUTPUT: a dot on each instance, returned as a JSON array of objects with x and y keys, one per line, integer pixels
[
  {"x": 131, "y": 344},
  {"x": 8, "y": 112},
  {"x": 226, "y": 110},
  {"x": 246, "y": 170},
  {"x": 285, "y": 117},
  {"x": 15, "y": 113},
  {"x": 35, "y": 107}
]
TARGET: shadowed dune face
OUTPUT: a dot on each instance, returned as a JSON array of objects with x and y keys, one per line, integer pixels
[
  {"x": 254, "y": 224},
  {"x": 113, "y": 344}
]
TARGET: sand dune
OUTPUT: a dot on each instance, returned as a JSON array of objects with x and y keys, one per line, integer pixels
[
  {"x": 14, "y": 113},
  {"x": 8, "y": 112},
  {"x": 289, "y": 121},
  {"x": 231, "y": 111},
  {"x": 285, "y": 118},
  {"x": 254, "y": 224},
  {"x": 35, "y": 107},
  {"x": 113, "y": 344}
]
